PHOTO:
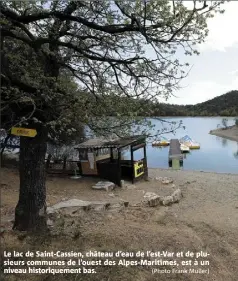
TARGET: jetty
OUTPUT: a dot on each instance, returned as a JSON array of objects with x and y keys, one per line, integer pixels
[{"x": 175, "y": 151}]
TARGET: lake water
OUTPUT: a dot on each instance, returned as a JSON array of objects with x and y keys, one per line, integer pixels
[{"x": 215, "y": 155}]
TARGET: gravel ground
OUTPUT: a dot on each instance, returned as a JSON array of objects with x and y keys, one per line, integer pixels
[{"x": 205, "y": 219}]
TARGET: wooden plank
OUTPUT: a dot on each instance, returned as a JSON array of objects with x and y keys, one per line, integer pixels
[
  {"x": 138, "y": 146},
  {"x": 174, "y": 150}
]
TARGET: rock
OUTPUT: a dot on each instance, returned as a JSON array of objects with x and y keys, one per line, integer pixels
[
  {"x": 154, "y": 201},
  {"x": 104, "y": 185},
  {"x": 167, "y": 200},
  {"x": 152, "y": 198},
  {"x": 139, "y": 204},
  {"x": 99, "y": 208},
  {"x": 50, "y": 210},
  {"x": 177, "y": 195},
  {"x": 167, "y": 181},
  {"x": 111, "y": 194},
  {"x": 116, "y": 205},
  {"x": 173, "y": 185},
  {"x": 74, "y": 211},
  {"x": 73, "y": 207},
  {"x": 68, "y": 204},
  {"x": 50, "y": 222},
  {"x": 164, "y": 180}
]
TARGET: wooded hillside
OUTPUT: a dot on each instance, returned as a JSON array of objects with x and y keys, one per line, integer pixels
[{"x": 224, "y": 105}]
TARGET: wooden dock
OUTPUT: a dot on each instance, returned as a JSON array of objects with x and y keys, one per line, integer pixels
[{"x": 174, "y": 150}]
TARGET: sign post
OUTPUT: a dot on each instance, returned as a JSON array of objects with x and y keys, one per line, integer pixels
[
  {"x": 23, "y": 132},
  {"x": 139, "y": 169}
]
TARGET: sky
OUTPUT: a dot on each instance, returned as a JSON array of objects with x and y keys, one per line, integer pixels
[{"x": 215, "y": 71}]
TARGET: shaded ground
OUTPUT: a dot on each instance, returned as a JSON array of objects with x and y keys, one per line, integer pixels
[{"x": 205, "y": 219}]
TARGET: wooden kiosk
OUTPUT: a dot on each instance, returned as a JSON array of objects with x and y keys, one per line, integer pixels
[{"x": 102, "y": 158}]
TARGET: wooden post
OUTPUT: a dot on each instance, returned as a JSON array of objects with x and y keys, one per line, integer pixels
[
  {"x": 176, "y": 164},
  {"x": 132, "y": 165},
  {"x": 48, "y": 161},
  {"x": 64, "y": 163},
  {"x": 119, "y": 166},
  {"x": 145, "y": 163},
  {"x": 111, "y": 154}
]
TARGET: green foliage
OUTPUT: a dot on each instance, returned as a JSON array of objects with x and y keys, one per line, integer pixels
[
  {"x": 70, "y": 63},
  {"x": 224, "y": 105},
  {"x": 236, "y": 121},
  {"x": 224, "y": 122}
]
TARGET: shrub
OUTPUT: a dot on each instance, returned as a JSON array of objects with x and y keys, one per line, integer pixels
[
  {"x": 224, "y": 122},
  {"x": 236, "y": 121}
]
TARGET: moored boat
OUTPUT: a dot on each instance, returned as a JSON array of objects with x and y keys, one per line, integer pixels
[
  {"x": 162, "y": 142},
  {"x": 192, "y": 145},
  {"x": 187, "y": 141},
  {"x": 184, "y": 148}
]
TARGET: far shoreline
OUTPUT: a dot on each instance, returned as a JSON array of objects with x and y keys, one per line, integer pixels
[{"x": 230, "y": 133}]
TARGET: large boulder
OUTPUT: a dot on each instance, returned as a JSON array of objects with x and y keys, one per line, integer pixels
[{"x": 74, "y": 206}]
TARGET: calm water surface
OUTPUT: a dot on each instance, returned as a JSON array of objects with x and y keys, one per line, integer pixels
[{"x": 215, "y": 155}]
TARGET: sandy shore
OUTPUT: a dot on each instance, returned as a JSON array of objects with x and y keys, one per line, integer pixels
[
  {"x": 230, "y": 133},
  {"x": 209, "y": 197}
]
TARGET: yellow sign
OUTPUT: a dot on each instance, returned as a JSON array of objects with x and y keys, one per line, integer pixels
[
  {"x": 23, "y": 132},
  {"x": 139, "y": 169}
]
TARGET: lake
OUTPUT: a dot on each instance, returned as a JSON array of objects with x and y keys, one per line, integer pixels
[{"x": 215, "y": 155}]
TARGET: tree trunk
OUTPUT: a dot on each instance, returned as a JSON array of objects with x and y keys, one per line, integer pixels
[{"x": 30, "y": 212}]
